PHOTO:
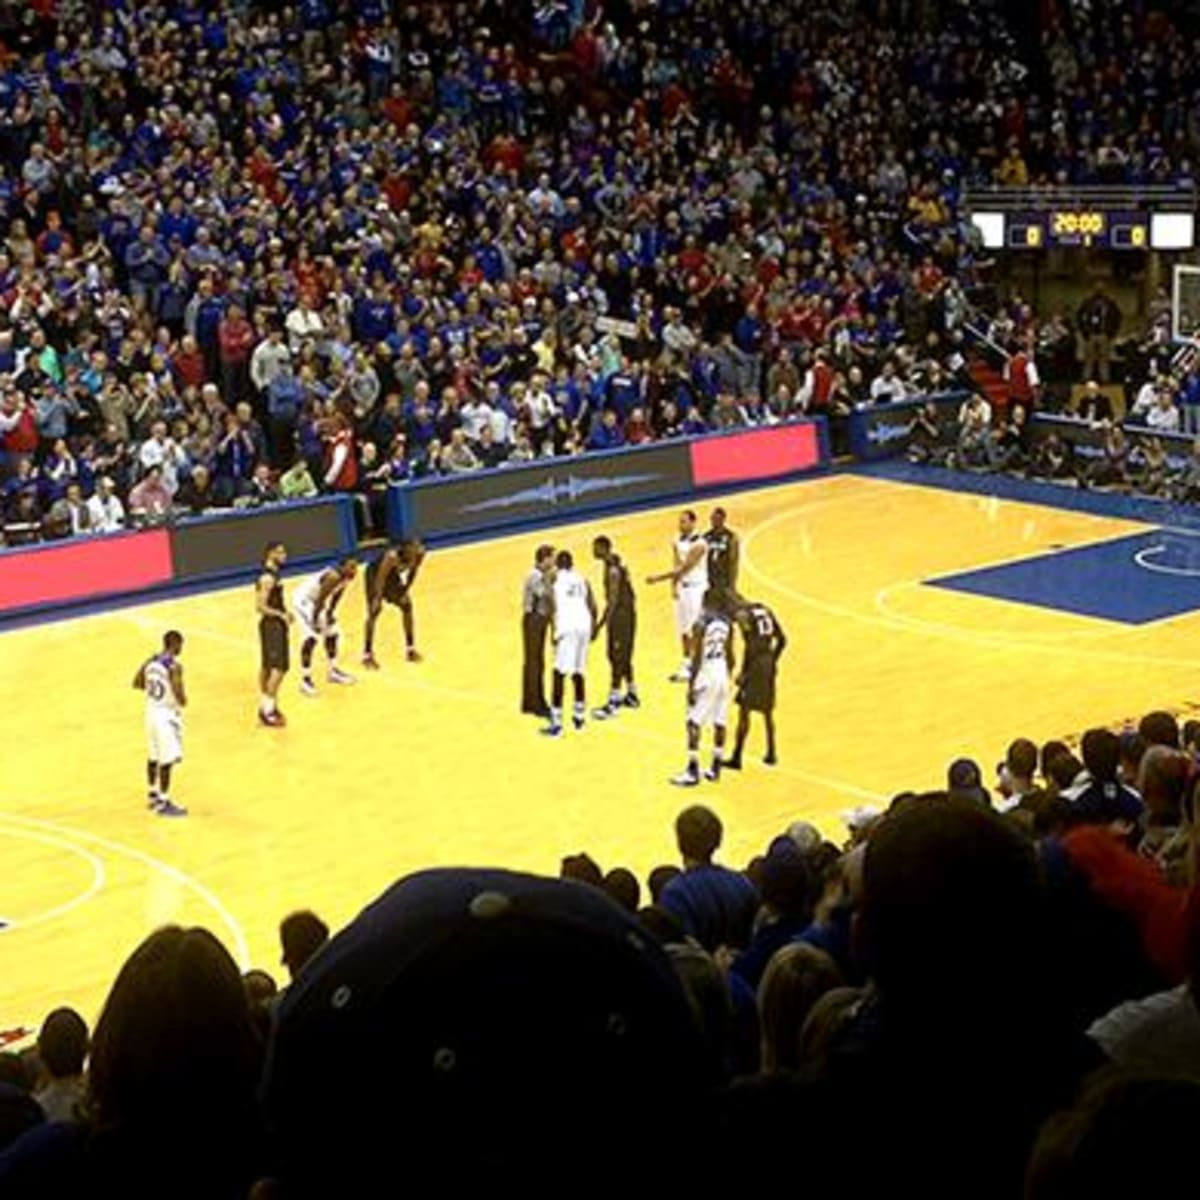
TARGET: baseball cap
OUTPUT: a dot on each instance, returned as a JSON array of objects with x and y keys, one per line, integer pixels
[
  {"x": 467, "y": 1012},
  {"x": 965, "y": 780}
]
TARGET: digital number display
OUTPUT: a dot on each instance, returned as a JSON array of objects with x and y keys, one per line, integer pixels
[{"x": 1073, "y": 224}]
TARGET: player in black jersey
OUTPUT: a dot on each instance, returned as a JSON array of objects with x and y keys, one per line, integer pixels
[
  {"x": 723, "y": 554},
  {"x": 273, "y": 622},
  {"x": 390, "y": 579},
  {"x": 620, "y": 616},
  {"x": 764, "y": 642}
]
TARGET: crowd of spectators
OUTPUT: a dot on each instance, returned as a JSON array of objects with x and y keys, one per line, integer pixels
[
  {"x": 979, "y": 982},
  {"x": 253, "y": 252}
]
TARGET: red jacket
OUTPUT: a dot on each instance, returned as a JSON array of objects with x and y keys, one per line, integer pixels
[
  {"x": 237, "y": 340},
  {"x": 341, "y": 445},
  {"x": 1136, "y": 887},
  {"x": 23, "y": 439}
]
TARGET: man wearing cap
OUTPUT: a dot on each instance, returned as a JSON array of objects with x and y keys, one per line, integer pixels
[
  {"x": 535, "y": 619},
  {"x": 964, "y": 781}
]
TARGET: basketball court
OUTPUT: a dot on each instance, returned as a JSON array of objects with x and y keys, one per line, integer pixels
[{"x": 923, "y": 624}]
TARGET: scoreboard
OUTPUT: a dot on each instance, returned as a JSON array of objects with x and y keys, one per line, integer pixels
[{"x": 1087, "y": 228}]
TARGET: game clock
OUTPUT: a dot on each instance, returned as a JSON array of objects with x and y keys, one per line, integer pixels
[{"x": 1078, "y": 227}]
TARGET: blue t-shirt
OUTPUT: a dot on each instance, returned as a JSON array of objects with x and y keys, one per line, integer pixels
[{"x": 714, "y": 904}]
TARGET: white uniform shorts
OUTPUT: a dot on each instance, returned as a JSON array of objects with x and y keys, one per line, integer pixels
[
  {"x": 164, "y": 736},
  {"x": 570, "y": 652},
  {"x": 710, "y": 697},
  {"x": 309, "y": 626},
  {"x": 689, "y": 601}
]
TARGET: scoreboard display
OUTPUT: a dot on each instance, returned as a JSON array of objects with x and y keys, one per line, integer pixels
[
  {"x": 1086, "y": 228},
  {"x": 1078, "y": 227}
]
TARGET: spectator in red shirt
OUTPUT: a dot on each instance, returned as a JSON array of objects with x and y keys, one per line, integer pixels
[
  {"x": 341, "y": 458},
  {"x": 188, "y": 364},
  {"x": 236, "y": 339}
]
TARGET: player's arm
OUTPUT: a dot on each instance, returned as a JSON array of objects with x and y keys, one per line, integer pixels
[
  {"x": 611, "y": 583},
  {"x": 262, "y": 599},
  {"x": 177, "y": 684},
  {"x": 325, "y": 589},
  {"x": 139, "y": 680},
  {"x": 735, "y": 554},
  {"x": 695, "y": 554},
  {"x": 591, "y": 603},
  {"x": 780, "y": 639}
]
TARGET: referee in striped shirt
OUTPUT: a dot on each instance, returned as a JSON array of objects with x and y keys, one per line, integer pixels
[{"x": 535, "y": 619}]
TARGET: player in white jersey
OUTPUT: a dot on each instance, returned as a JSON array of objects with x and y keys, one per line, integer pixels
[
  {"x": 315, "y": 604},
  {"x": 573, "y": 615},
  {"x": 161, "y": 678},
  {"x": 709, "y": 688},
  {"x": 689, "y": 582}
]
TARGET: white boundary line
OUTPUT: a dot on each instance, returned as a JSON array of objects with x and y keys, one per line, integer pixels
[
  {"x": 884, "y": 618},
  {"x": 59, "y": 910},
  {"x": 241, "y": 950}
]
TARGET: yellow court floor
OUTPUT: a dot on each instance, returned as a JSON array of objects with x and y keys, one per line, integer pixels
[{"x": 884, "y": 681}]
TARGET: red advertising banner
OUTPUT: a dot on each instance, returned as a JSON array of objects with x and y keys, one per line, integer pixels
[
  {"x": 755, "y": 454},
  {"x": 83, "y": 568}
]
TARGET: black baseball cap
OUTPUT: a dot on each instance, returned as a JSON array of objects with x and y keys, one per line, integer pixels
[{"x": 471, "y": 1020}]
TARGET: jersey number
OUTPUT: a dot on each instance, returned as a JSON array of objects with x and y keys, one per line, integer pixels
[
  {"x": 156, "y": 689},
  {"x": 764, "y": 624}
]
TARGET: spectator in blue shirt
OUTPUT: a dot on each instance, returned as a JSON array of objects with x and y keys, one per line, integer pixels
[
  {"x": 285, "y": 397},
  {"x": 607, "y": 433},
  {"x": 146, "y": 261},
  {"x": 715, "y": 905}
]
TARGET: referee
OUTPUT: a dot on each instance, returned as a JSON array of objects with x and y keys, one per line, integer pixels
[{"x": 535, "y": 617}]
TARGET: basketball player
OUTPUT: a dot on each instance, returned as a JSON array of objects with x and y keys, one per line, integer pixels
[
  {"x": 620, "y": 616},
  {"x": 573, "y": 614},
  {"x": 273, "y": 622},
  {"x": 689, "y": 582},
  {"x": 723, "y": 554},
  {"x": 708, "y": 691},
  {"x": 161, "y": 678},
  {"x": 763, "y": 641},
  {"x": 390, "y": 578},
  {"x": 315, "y": 605}
]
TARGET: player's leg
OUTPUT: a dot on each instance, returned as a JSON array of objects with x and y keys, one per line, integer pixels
[
  {"x": 684, "y": 620},
  {"x": 274, "y": 646},
  {"x": 557, "y": 688},
  {"x": 714, "y": 771},
  {"x": 631, "y": 695},
  {"x": 151, "y": 783},
  {"x": 307, "y": 648},
  {"x": 684, "y": 672},
  {"x": 615, "y": 656},
  {"x": 691, "y": 776},
  {"x": 720, "y": 716},
  {"x": 408, "y": 617},
  {"x": 769, "y": 720},
  {"x": 368, "y": 654},
  {"x": 577, "y": 682},
  {"x": 333, "y": 637},
  {"x": 170, "y": 753},
  {"x": 734, "y": 762}
]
